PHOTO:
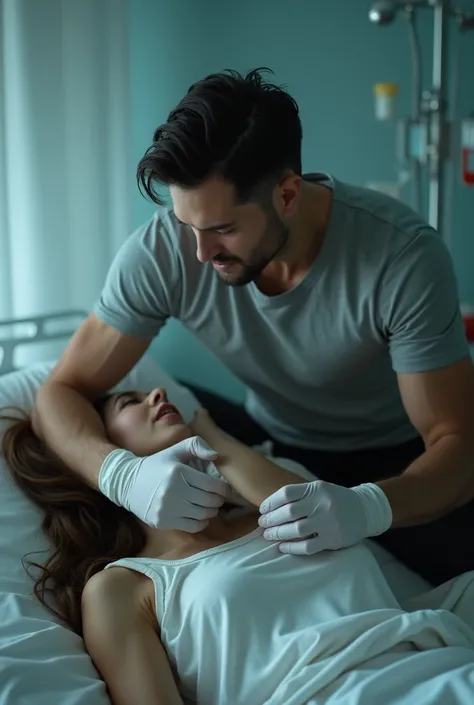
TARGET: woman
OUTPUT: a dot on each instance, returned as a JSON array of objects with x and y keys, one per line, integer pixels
[{"x": 223, "y": 617}]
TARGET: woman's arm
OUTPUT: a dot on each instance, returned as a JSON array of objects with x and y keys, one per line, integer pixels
[
  {"x": 121, "y": 638},
  {"x": 250, "y": 474}
]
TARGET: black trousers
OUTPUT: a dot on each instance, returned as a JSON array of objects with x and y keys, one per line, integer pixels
[{"x": 438, "y": 551}]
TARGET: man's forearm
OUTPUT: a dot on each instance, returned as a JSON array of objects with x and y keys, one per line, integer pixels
[
  {"x": 436, "y": 483},
  {"x": 72, "y": 430}
]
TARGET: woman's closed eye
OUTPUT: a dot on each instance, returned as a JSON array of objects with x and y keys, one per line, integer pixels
[
  {"x": 127, "y": 399},
  {"x": 127, "y": 402}
]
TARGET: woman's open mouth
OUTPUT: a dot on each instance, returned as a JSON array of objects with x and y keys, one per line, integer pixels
[{"x": 166, "y": 410}]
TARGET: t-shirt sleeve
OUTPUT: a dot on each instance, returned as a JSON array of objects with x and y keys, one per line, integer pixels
[
  {"x": 420, "y": 310},
  {"x": 137, "y": 295}
]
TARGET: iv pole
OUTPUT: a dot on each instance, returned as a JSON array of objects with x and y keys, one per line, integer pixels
[
  {"x": 436, "y": 107},
  {"x": 434, "y": 101}
]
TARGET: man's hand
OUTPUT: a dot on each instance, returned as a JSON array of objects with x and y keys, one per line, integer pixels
[
  {"x": 319, "y": 516},
  {"x": 164, "y": 490}
]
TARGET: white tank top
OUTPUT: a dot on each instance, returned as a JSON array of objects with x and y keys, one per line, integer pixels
[{"x": 244, "y": 624}]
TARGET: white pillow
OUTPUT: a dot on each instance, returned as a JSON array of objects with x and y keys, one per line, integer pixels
[{"x": 41, "y": 661}]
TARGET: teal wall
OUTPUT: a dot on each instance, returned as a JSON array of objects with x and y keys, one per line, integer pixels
[{"x": 329, "y": 56}]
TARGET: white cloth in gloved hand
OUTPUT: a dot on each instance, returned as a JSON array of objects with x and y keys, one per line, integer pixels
[
  {"x": 319, "y": 516},
  {"x": 163, "y": 489}
]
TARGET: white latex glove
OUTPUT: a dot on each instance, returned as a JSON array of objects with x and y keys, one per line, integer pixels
[
  {"x": 317, "y": 516},
  {"x": 163, "y": 489}
]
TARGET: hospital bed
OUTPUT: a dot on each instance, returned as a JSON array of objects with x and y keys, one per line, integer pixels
[{"x": 41, "y": 661}]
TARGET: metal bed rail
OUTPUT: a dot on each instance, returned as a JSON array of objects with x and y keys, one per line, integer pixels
[{"x": 16, "y": 333}]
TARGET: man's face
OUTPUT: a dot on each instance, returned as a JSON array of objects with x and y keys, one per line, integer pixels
[{"x": 239, "y": 240}]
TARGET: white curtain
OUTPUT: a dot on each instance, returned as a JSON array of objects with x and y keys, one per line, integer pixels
[{"x": 65, "y": 176}]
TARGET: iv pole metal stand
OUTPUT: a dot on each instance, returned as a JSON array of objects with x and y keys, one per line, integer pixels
[
  {"x": 435, "y": 105},
  {"x": 433, "y": 102}
]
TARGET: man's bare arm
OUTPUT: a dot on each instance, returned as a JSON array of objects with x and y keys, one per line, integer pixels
[
  {"x": 95, "y": 360},
  {"x": 440, "y": 405}
]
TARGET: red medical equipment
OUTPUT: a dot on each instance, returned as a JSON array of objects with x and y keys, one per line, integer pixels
[{"x": 467, "y": 150}]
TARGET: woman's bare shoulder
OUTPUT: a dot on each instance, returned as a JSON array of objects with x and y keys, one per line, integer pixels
[{"x": 120, "y": 587}]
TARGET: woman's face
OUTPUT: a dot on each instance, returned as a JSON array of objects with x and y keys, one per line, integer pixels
[{"x": 143, "y": 423}]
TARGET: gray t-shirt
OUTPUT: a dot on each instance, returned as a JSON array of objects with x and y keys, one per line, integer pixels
[{"x": 319, "y": 361}]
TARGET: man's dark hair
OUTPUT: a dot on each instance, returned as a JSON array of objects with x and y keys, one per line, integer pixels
[{"x": 242, "y": 129}]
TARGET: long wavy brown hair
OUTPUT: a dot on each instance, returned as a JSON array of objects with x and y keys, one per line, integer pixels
[{"x": 86, "y": 531}]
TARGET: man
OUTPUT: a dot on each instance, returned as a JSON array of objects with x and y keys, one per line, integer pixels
[{"x": 336, "y": 306}]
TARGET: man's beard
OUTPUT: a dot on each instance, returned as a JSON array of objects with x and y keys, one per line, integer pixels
[{"x": 273, "y": 241}]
